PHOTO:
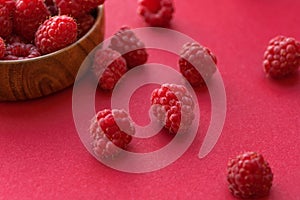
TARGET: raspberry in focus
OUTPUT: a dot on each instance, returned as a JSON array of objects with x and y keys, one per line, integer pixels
[
  {"x": 28, "y": 16},
  {"x": 195, "y": 58},
  {"x": 76, "y": 8},
  {"x": 282, "y": 57},
  {"x": 249, "y": 176},
  {"x": 56, "y": 33},
  {"x": 173, "y": 107}
]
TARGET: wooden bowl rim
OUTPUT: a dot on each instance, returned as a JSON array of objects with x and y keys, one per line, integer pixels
[{"x": 98, "y": 20}]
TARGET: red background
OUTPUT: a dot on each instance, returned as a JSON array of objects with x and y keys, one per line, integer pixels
[{"x": 42, "y": 156}]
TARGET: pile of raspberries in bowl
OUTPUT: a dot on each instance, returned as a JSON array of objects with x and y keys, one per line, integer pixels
[{"x": 44, "y": 42}]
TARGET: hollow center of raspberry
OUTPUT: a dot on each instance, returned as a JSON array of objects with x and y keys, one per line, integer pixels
[{"x": 152, "y": 5}]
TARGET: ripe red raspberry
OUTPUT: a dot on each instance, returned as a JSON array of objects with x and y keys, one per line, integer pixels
[
  {"x": 109, "y": 66},
  {"x": 2, "y": 48},
  {"x": 195, "y": 58},
  {"x": 156, "y": 12},
  {"x": 131, "y": 47},
  {"x": 173, "y": 106},
  {"x": 56, "y": 33},
  {"x": 249, "y": 176},
  {"x": 20, "y": 51},
  {"x": 6, "y": 23},
  {"x": 84, "y": 24},
  {"x": 76, "y": 8},
  {"x": 110, "y": 129},
  {"x": 282, "y": 57},
  {"x": 10, "y": 4},
  {"x": 28, "y": 16}
]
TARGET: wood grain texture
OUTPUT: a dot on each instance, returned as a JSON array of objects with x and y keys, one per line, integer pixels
[{"x": 44, "y": 75}]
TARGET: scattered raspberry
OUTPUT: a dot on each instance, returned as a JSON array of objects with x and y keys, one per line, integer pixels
[
  {"x": 173, "y": 106},
  {"x": 156, "y": 12},
  {"x": 20, "y": 51},
  {"x": 2, "y": 48},
  {"x": 28, "y": 16},
  {"x": 131, "y": 48},
  {"x": 194, "y": 55},
  {"x": 109, "y": 65},
  {"x": 76, "y": 8},
  {"x": 56, "y": 33},
  {"x": 6, "y": 22},
  {"x": 249, "y": 176},
  {"x": 109, "y": 130},
  {"x": 282, "y": 57},
  {"x": 84, "y": 24}
]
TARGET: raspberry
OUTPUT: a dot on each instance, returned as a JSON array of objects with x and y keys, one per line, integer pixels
[
  {"x": 2, "y": 48},
  {"x": 28, "y": 16},
  {"x": 110, "y": 129},
  {"x": 249, "y": 176},
  {"x": 173, "y": 106},
  {"x": 13, "y": 39},
  {"x": 10, "y": 4},
  {"x": 76, "y": 8},
  {"x": 131, "y": 48},
  {"x": 84, "y": 24},
  {"x": 6, "y": 23},
  {"x": 20, "y": 51},
  {"x": 193, "y": 56},
  {"x": 282, "y": 57},
  {"x": 56, "y": 33},
  {"x": 156, "y": 12},
  {"x": 109, "y": 66}
]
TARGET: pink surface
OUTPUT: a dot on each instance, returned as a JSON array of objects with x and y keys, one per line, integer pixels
[{"x": 42, "y": 156}]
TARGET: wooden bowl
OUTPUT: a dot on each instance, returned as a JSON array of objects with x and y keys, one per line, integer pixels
[{"x": 44, "y": 75}]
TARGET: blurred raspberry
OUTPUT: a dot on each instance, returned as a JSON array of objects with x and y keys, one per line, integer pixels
[
  {"x": 6, "y": 23},
  {"x": 76, "y": 8},
  {"x": 131, "y": 47},
  {"x": 109, "y": 66},
  {"x": 84, "y": 24},
  {"x": 156, "y": 12},
  {"x": 2, "y": 48},
  {"x": 20, "y": 51}
]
